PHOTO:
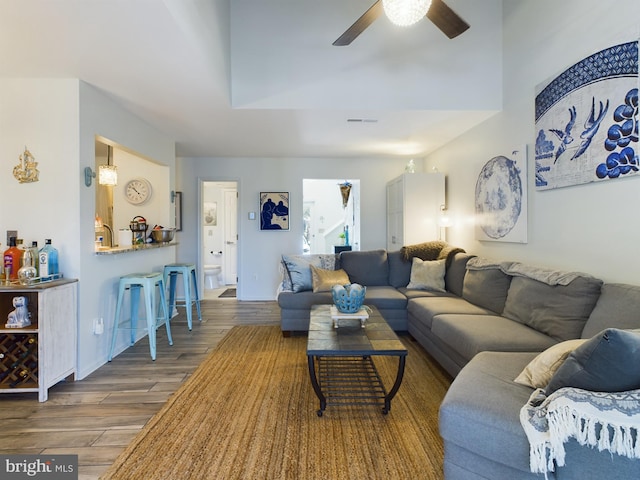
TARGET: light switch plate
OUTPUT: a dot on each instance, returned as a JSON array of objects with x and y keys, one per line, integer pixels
[{"x": 252, "y": 215}]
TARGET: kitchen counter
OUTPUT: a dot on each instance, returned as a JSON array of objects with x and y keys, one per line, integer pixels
[{"x": 136, "y": 248}]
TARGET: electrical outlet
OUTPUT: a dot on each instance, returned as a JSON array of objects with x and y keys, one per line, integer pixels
[{"x": 98, "y": 326}]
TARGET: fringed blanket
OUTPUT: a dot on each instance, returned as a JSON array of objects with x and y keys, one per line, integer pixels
[
  {"x": 608, "y": 421},
  {"x": 434, "y": 250}
]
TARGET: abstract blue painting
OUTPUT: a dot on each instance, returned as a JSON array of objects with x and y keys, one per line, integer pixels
[
  {"x": 274, "y": 210},
  {"x": 501, "y": 198},
  {"x": 587, "y": 120}
]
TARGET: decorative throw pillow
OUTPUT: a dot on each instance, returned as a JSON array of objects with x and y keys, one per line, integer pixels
[
  {"x": 427, "y": 275},
  {"x": 540, "y": 370},
  {"x": 323, "y": 280},
  {"x": 607, "y": 362},
  {"x": 298, "y": 268}
]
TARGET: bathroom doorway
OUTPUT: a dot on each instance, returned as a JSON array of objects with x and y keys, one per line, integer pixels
[{"x": 219, "y": 238}]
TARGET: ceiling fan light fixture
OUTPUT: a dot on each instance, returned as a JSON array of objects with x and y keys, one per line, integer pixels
[{"x": 405, "y": 12}]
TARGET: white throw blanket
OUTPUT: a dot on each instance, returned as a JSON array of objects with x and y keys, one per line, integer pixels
[{"x": 572, "y": 412}]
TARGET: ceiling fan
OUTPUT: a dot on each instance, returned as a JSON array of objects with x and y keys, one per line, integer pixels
[{"x": 439, "y": 13}]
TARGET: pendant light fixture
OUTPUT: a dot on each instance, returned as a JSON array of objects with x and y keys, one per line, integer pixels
[{"x": 108, "y": 174}]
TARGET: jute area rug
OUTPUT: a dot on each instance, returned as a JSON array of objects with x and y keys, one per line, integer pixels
[{"x": 249, "y": 412}]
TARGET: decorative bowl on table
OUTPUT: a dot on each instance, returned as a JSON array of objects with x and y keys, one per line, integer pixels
[{"x": 348, "y": 298}]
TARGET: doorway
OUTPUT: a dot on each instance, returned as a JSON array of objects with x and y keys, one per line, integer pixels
[
  {"x": 331, "y": 215},
  {"x": 218, "y": 237}
]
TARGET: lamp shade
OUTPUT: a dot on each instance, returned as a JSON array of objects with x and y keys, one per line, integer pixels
[
  {"x": 405, "y": 12},
  {"x": 107, "y": 175}
]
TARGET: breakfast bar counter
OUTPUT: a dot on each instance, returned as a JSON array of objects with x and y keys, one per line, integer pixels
[{"x": 133, "y": 248}]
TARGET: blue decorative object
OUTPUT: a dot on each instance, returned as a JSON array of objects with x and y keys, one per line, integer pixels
[
  {"x": 348, "y": 298},
  {"x": 587, "y": 120},
  {"x": 501, "y": 199}
]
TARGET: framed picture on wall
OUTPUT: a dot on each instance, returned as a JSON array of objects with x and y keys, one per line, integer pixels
[
  {"x": 178, "y": 205},
  {"x": 274, "y": 210},
  {"x": 210, "y": 214}
]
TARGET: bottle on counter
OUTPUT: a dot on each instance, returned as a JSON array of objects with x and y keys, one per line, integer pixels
[
  {"x": 12, "y": 258},
  {"x": 27, "y": 271},
  {"x": 21, "y": 247},
  {"x": 48, "y": 259},
  {"x": 35, "y": 253}
]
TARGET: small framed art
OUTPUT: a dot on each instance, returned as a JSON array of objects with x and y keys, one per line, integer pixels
[{"x": 274, "y": 210}]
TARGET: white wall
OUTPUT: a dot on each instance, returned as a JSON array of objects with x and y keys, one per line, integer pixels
[
  {"x": 260, "y": 251},
  {"x": 99, "y": 115},
  {"x": 41, "y": 115},
  {"x": 155, "y": 209},
  {"x": 58, "y": 120},
  {"x": 589, "y": 228}
]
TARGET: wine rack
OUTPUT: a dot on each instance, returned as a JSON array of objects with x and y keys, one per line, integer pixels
[
  {"x": 38, "y": 353},
  {"x": 18, "y": 360}
]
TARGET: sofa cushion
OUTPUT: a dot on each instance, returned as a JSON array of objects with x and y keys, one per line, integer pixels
[
  {"x": 368, "y": 268},
  {"x": 427, "y": 275},
  {"x": 608, "y": 362},
  {"x": 399, "y": 269},
  {"x": 298, "y": 268},
  {"x": 323, "y": 280},
  {"x": 559, "y": 311},
  {"x": 481, "y": 410},
  {"x": 539, "y": 371},
  {"x": 471, "y": 334},
  {"x": 456, "y": 271},
  {"x": 486, "y": 288},
  {"x": 617, "y": 307},
  {"x": 385, "y": 298},
  {"x": 427, "y": 307}
]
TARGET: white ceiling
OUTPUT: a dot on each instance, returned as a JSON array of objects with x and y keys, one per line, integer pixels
[{"x": 261, "y": 78}]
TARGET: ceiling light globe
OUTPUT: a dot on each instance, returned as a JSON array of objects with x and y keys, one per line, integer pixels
[{"x": 405, "y": 12}]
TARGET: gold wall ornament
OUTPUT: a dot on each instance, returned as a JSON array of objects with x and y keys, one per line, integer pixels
[{"x": 26, "y": 171}]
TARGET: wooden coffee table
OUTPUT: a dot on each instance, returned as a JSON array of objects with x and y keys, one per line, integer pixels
[{"x": 341, "y": 363}]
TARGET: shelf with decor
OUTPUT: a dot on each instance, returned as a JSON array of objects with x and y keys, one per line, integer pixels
[{"x": 37, "y": 336}]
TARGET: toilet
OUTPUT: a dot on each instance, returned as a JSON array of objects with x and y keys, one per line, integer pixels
[{"x": 212, "y": 276}]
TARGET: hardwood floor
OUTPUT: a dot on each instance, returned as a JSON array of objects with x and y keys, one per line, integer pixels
[{"x": 97, "y": 417}]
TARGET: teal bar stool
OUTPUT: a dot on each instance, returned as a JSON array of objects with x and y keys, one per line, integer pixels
[
  {"x": 188, "y": 272},
  {"x": 149, "y": 282}
]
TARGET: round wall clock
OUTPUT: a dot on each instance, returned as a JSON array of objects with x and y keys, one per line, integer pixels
[{"x": 137, "y": 191}]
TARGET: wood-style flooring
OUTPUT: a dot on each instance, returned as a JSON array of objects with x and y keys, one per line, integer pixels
[{"x": 98, "y": 416}]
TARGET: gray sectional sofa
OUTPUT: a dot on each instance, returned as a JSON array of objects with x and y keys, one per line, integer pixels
[{"x": 489, "y": 323}]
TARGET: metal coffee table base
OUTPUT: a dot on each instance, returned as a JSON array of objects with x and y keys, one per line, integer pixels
[
  {"x": 351, "y": 380},
  {"x": 341, "y": 363}
]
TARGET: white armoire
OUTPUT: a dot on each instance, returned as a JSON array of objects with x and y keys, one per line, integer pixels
[{"x": 414, "y": 205}]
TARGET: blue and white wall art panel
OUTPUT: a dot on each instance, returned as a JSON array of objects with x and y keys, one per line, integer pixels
[
  {"x": 587, "y": 120},
  {"x": 501, "y": 199}
]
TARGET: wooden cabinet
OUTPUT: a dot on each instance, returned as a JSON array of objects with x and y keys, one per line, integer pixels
[
  {"x": 36, "y": 356},
  {"x": 414, "y": 201}
]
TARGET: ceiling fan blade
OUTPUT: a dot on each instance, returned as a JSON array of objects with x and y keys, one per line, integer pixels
[
  {"x": 446, "y": 19},
  {"x": 360, "y": 25}
]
